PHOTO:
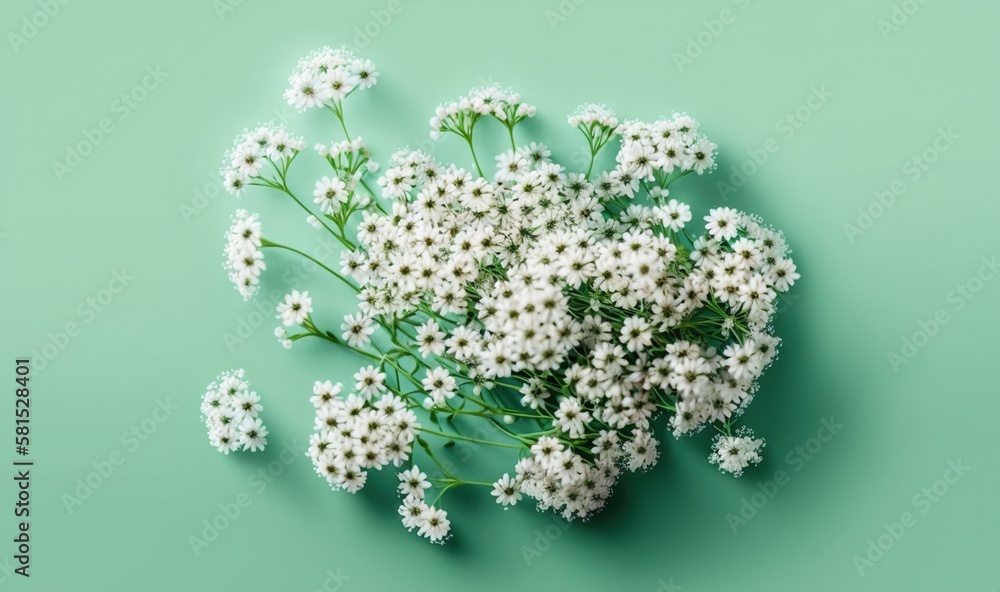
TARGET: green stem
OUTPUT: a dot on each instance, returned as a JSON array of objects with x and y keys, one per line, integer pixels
[
  {"x": 343, "y": 126},
  {"x": 266, "y": 243},
  {"x": 320, "y": 334},
  {"x": 441, "y": 493},
  {"x": 468, "y": 140},
  {"x": 468, "y": 439},
  {"x": 343, "y": 241}
]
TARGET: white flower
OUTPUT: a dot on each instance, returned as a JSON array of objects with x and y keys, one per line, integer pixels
[
  {"x": 430, "y": 338},
  {"x": 571, "y": 418},
  {"x": 352, "y": 479},
  {"x": 783, "y": 275},
  {"x": 330, "y": 192},
  {"x": 370, "y": 381},
  {"x": 324, "y": 394},
  {"x": 735, "y": 453},
  {"x": 642, "y": 452},
  {"x": 247, "y": 160},
  {"x": 246, "y": 404},
  {"x": 304, "y": 92},
  {"x": 440, "y": 385},
  {"x": 246, "y": 234},
  {"x": 357, "y": 329},
  {"x": 365, "y": 72},
  {"x": 413, "y": 510},
  {"x": 741, "y": 360},
  {"x": 235, "y": 181},
  {"x": 674, "y": 215},
  {"x": 510, "y": 165},
  {"x": 295, "y": 309},
  {"x": 224, "y": 439},
  {"x": 636, "y": 334},
  {"x": 413, "y": 482},
  {"x": 248, "y": 262},
  {"x": 506, "y": 490},
  {"x": 721, "y": 223},
  {"x": 253, "y": 434},
  {"x": 434, "y": 524},
  {"x": 337, "y": 83}
]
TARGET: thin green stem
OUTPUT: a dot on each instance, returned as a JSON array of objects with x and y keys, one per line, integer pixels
[
  {"x": 468, "y": 140},
  {"x": 340, "y": 238},
  {"x": 343, "y": 126},
  {"x": 266, "y": 243},
  {"x": 468, "y": 439}
]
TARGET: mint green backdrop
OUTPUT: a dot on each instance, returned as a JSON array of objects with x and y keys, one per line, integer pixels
[{"x": 890, "y": 337}]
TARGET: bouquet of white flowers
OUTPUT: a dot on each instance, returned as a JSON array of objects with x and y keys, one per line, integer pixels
[{"x": 570, "y": 313}]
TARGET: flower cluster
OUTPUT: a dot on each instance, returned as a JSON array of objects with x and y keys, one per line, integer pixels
[
  {"x": 567, "y": 315},
  {"x": 230, "y": 411},
  {"x": 429, "y": 521},
  {"x": 598, "y": 124},
  {"x": 460, "y": 117},
  {"x": 603, "y": 320},
  {"x": 256, "y": 153},
  {"x": 360, "y": 432},
  {"x": 244, "y": 257},
  {"x": 735, "y": 453},
  {"x": 594, "y": 115},
  {"x": 327, "y": 76},
  {"x": 652, "y": 150}
]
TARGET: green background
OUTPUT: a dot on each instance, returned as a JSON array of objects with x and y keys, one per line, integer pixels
[{"x": 162, "y": 337}]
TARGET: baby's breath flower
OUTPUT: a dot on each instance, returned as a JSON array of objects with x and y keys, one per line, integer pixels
[
  {"x": 564, "y": 313},
  {"x": 230, "y": 411}
]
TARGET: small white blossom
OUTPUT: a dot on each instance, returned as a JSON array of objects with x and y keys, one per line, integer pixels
[{"x": 230, "y": 411}]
